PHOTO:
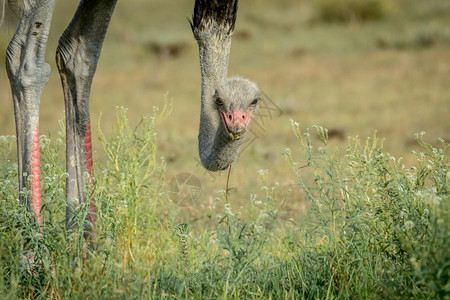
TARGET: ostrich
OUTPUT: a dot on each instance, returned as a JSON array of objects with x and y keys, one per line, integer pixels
[{"x": 227, "y": 104}]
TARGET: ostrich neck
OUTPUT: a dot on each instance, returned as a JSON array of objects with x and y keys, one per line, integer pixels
[{"x": 216, "y": 151}]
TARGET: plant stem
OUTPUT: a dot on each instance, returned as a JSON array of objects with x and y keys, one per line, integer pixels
[{"x": 228, "y": 181}]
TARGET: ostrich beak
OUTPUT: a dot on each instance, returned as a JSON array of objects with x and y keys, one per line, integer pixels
[{"x": 236, "y": 122}]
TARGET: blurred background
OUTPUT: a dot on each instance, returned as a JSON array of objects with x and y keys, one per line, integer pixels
[{"x": 352, "y": 66}]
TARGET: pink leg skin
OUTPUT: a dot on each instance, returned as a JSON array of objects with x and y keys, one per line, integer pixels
[
  {"x": 36, "y": 200},
  {"x": 88, "y": 151}
]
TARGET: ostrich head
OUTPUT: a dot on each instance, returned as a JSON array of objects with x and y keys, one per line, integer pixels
[
  {"x": 235, "y": 100},
  {"x": 227, "y": 104}
]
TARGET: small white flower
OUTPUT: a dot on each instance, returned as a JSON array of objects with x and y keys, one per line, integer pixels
[
  {"x": 263, "y": 172},
  {"x": 227, "y": 208},
  {"x": 409, "y": 225}
]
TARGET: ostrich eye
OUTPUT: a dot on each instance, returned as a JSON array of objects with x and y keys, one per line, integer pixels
[
  {"x": 254, "y": 102},
  {"x": 219, "y": 101}
]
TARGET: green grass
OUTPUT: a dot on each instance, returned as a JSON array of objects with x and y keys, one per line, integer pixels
[{"x": 374, "y": 229}]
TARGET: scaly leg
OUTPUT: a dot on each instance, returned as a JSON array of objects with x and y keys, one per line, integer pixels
[
  {"x": 28, "y": 74},
  {"x": 76, "y": 57}
]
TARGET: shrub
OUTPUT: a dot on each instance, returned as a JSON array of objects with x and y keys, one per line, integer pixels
[
  {"x": 350, "y": 10},
  {"x": 379, "y": 228},
  {"x": 419, "y": 38}
]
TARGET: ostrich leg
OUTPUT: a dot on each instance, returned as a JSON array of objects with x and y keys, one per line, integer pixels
[
  {"x": 28, "y": 74},
  {"x": 76, "y": 57}
]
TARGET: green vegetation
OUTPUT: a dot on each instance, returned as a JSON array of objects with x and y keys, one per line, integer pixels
[{"x": 375, "y": 228}]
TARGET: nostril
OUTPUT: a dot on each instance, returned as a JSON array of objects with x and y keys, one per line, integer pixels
[{"x": 230, "y": 117}]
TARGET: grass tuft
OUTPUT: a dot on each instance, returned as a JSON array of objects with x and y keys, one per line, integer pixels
[
  {"x": 421, "y": 38},
  {"x": 346, "y": 11}
]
